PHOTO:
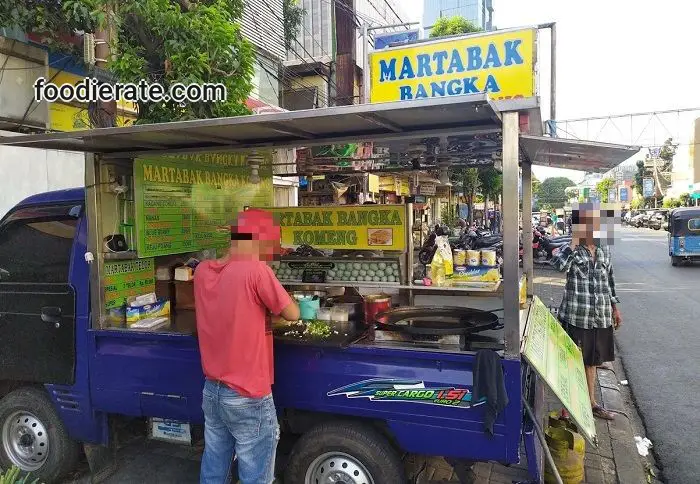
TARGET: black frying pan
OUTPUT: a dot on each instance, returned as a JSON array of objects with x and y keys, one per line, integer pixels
[{"x": 427, "y": 320}]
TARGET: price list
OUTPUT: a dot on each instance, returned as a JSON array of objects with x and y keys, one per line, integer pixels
[{"x": 183, "y": 207}]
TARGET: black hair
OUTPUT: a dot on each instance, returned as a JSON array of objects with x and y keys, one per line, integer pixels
[{"x": 241, "y": 236}]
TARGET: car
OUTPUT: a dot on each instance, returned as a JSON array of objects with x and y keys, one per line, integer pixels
[{"x": 646, "y": 217}]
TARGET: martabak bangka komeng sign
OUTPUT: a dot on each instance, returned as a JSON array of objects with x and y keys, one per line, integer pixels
[{"x": 500, "y": 64}]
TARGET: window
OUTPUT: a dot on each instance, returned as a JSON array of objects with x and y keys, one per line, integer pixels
[
  {"x": 36, "y": 243},
  {"x": 694, "y": 224}
]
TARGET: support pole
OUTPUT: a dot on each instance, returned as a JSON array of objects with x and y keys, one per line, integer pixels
[
  {"x": 511, "y": 202},
  {"x": 553, "y": 76},
  {"x": 365, "y": 63},
  {"x": 528, "y": 265}
]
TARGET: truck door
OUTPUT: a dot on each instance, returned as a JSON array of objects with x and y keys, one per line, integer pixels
[{"x": 37, "y": 303}]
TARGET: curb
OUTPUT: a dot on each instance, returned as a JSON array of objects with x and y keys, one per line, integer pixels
[{"x": 628, "y": 463}]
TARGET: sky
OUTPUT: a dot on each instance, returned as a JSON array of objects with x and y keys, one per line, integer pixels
[{"x": 613, "y": 56}]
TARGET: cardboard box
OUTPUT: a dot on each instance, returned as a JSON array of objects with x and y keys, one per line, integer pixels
[
  {"x": 476, "y": 273},
  {"x": 135, "y": 314},
  {"x": 184, "y": 295}
]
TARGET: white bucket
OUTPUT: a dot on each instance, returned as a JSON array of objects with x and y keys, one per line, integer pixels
[
  {"x": 488, "y": 258},
  {"x": 473, "y": 258}
]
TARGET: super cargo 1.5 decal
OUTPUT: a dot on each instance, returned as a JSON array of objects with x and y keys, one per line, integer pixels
[{"x": 414, "y": 391}]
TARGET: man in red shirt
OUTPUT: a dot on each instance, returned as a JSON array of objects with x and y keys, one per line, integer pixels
[{"x": 234, "y": 299}]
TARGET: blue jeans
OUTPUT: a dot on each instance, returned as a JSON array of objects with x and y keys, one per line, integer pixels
[{"x": 246, "y": 427}]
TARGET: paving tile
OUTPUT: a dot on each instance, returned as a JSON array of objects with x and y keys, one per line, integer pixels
[{"x": 593, "y": 476}]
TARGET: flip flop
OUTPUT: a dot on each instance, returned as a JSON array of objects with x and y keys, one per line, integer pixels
[{"x": 600, "y": 412}]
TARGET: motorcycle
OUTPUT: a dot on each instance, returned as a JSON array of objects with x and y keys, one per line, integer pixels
[
  {"x": 544, "y": 248},
  {"x": 427, "y": 251}
]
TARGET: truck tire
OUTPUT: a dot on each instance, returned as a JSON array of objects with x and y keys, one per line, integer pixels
[
  {"x": 33, "y": 438},
  {"x": 344, "y": 452},
  {"x": 675, "y": 260}
]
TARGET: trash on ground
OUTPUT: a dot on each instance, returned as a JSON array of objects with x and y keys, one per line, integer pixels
[
  {"x": 624, "y": 383},
  {"x": 643, "y": 445}
]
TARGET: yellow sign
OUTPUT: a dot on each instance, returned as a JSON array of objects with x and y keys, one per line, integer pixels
[
  {"x": 368, "y": 227},
  {"x": 556, "y": 358},
  {"x": 403, "y": 188},
  {"x": 373, "y": 183},
  {"x": 64, "y": 117},
  {"x": 500, "y": 64},
  {"x": 387, "y": 183}
]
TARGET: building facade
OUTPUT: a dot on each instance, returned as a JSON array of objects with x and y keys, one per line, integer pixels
[{"x": 480, "y": 12}]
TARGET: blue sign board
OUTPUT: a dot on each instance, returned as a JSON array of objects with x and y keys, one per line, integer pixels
[
  {"x": 648, "y": 188},
  {"x": 381, "y": 41},
  {"x": 623, "y": 194}
]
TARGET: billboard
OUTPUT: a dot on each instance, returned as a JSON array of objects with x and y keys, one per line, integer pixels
[
  {"x": 384, "y": 40},
  {"x": 624, "y": 196},
  {"x": 648, "y": 187},
  {"x": 612, "y": 195},
  {"x": 501, "y": 64}
]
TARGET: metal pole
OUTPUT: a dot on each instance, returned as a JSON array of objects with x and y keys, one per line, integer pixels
[
  {"x": 543, "y": 441},
  {"x": 365, "y": 66},
  {"x": 528, "y": 265},
  {"x": 511, "y": 174},
  {"x": 94, "y": 244},
  {"x": 553, "y": 74}
]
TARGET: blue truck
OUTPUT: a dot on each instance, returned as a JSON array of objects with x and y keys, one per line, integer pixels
[{"x": 62, "y": 381}]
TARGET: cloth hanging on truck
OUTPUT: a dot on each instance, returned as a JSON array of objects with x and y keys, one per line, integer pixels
[{"x": 489, "y": 383}]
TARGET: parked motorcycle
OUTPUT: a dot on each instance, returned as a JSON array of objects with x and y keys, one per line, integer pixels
[{"x": 544, "y": 248}]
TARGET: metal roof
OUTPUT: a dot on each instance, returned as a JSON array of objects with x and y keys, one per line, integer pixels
[
  {"x": 574, "y": 154},
  {"x": 394, "y": 120}
]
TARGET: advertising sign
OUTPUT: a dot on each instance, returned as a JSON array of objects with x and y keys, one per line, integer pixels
[
  {"x": 500, "y": 64},
  {"x": 127, "y": 278},
  {"x": 648, "y": 185},
  {"x": 624, "y": 195},
  {"x": 182, "y": 201},
  {"x": 349, "y": 227},
  {"x": 612, "y": 195},
  {"x": 558, "y": 361},
  {"x": 384, "y": 40}
]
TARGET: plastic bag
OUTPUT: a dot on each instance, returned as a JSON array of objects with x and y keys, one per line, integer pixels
[{"x": 445, "y": 251}]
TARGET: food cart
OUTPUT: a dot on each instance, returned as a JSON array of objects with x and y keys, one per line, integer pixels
[{"x": 357, "y": 401}]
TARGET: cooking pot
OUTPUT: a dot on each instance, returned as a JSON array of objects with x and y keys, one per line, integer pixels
[{"x": 375, "y": 304}]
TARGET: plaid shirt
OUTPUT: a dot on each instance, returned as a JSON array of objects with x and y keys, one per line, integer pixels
[{"x": 590, "y": 287}]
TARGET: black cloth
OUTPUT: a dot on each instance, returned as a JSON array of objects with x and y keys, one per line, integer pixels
[
  {"x": 490, "y": 383},
  {"x": 597, "y": 344}
]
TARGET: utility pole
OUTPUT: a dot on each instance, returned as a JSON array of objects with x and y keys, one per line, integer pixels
[
  {"x": 106, "y": 112},
  {"x": 345, "y": 52}
]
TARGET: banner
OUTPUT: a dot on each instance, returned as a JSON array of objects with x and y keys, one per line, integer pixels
[
  {"x": 182, "y": 201},
  {"x": 501, "y": 64},
  {"x": 350, "y": 227},
  {"x": 623, "y": 194},
  {"x": 648, "y": 185},
  {"x": 612, "y": 195},
  {"x": 556, "y": 358},
  {"x": 127, "y": 278}
]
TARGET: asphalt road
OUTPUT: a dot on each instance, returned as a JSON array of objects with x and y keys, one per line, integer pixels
[{"x": 658, "y": 344}]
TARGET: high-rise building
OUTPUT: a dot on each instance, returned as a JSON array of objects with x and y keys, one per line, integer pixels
[{"x": 480, "y": 12}]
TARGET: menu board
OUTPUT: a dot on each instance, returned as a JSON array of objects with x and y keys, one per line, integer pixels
[
  {"x": 127, "y": 278},
  {"x": 363, "y": 227},
  {"x": 182, "y": 201},
  {"x": 556, "y": 358}
]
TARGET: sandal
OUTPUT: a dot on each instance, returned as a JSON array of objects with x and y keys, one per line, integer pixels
[{"x": 600, "y": 412}]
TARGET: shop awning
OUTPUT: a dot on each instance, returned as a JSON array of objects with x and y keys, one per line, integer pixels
[
  {"x": 395, "y": 120},
  {"x": 574, "y": 154}
]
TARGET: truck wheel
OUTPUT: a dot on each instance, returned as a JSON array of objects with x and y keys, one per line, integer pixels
[
  {"x": 675, "y": 260},
  {"x": 344, "y": 452},
  {"x": 33, "y": 437}
]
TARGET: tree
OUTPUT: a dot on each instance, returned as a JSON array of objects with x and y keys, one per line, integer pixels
[
  {"x": 684, "y": 198},
  {"x": 639, "y": 177},
  {"x": 637, "y": 203},
  {"x": 293, "y": 15},
  {"x": 668, "y": 151},
  {"x": 536, "y": 184},
  {"x": 445, "y": 26},
  {"x": 670, "y": 202},
  {"x": 161, "y": 41},
  {"x": 491, "y": 183},
  {"x": 468, "y": 179},
  {"x": 603, "y": 187},
  {"x": 551, "y": 193}
]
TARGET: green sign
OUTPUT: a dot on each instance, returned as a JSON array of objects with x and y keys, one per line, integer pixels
[
  {"x": 182, "y": 201},
  {"x": 556, "y": 358},
  {"x": 127, "y": 278}
]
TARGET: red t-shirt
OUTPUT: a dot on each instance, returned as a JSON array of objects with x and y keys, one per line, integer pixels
[{"x": 233, "y": 301}]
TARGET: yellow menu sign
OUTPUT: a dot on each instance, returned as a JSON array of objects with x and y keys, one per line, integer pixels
[
  {"x": 501, "y": 64},
  {"x": 365, "y": 227},
  {"x": 556, "y": 358}
]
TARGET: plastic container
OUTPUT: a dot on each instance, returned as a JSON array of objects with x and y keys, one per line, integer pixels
[
  {"x": 324, "y": 314},
  {"x": 339, "y": 313},
  {"x": 473, "y": 258},
  {"x": 308, "y": 307},
  {"x": 488, "y": 258}
]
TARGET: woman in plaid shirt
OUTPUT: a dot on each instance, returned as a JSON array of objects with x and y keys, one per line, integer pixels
[{"x": 589, "y": 309}]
